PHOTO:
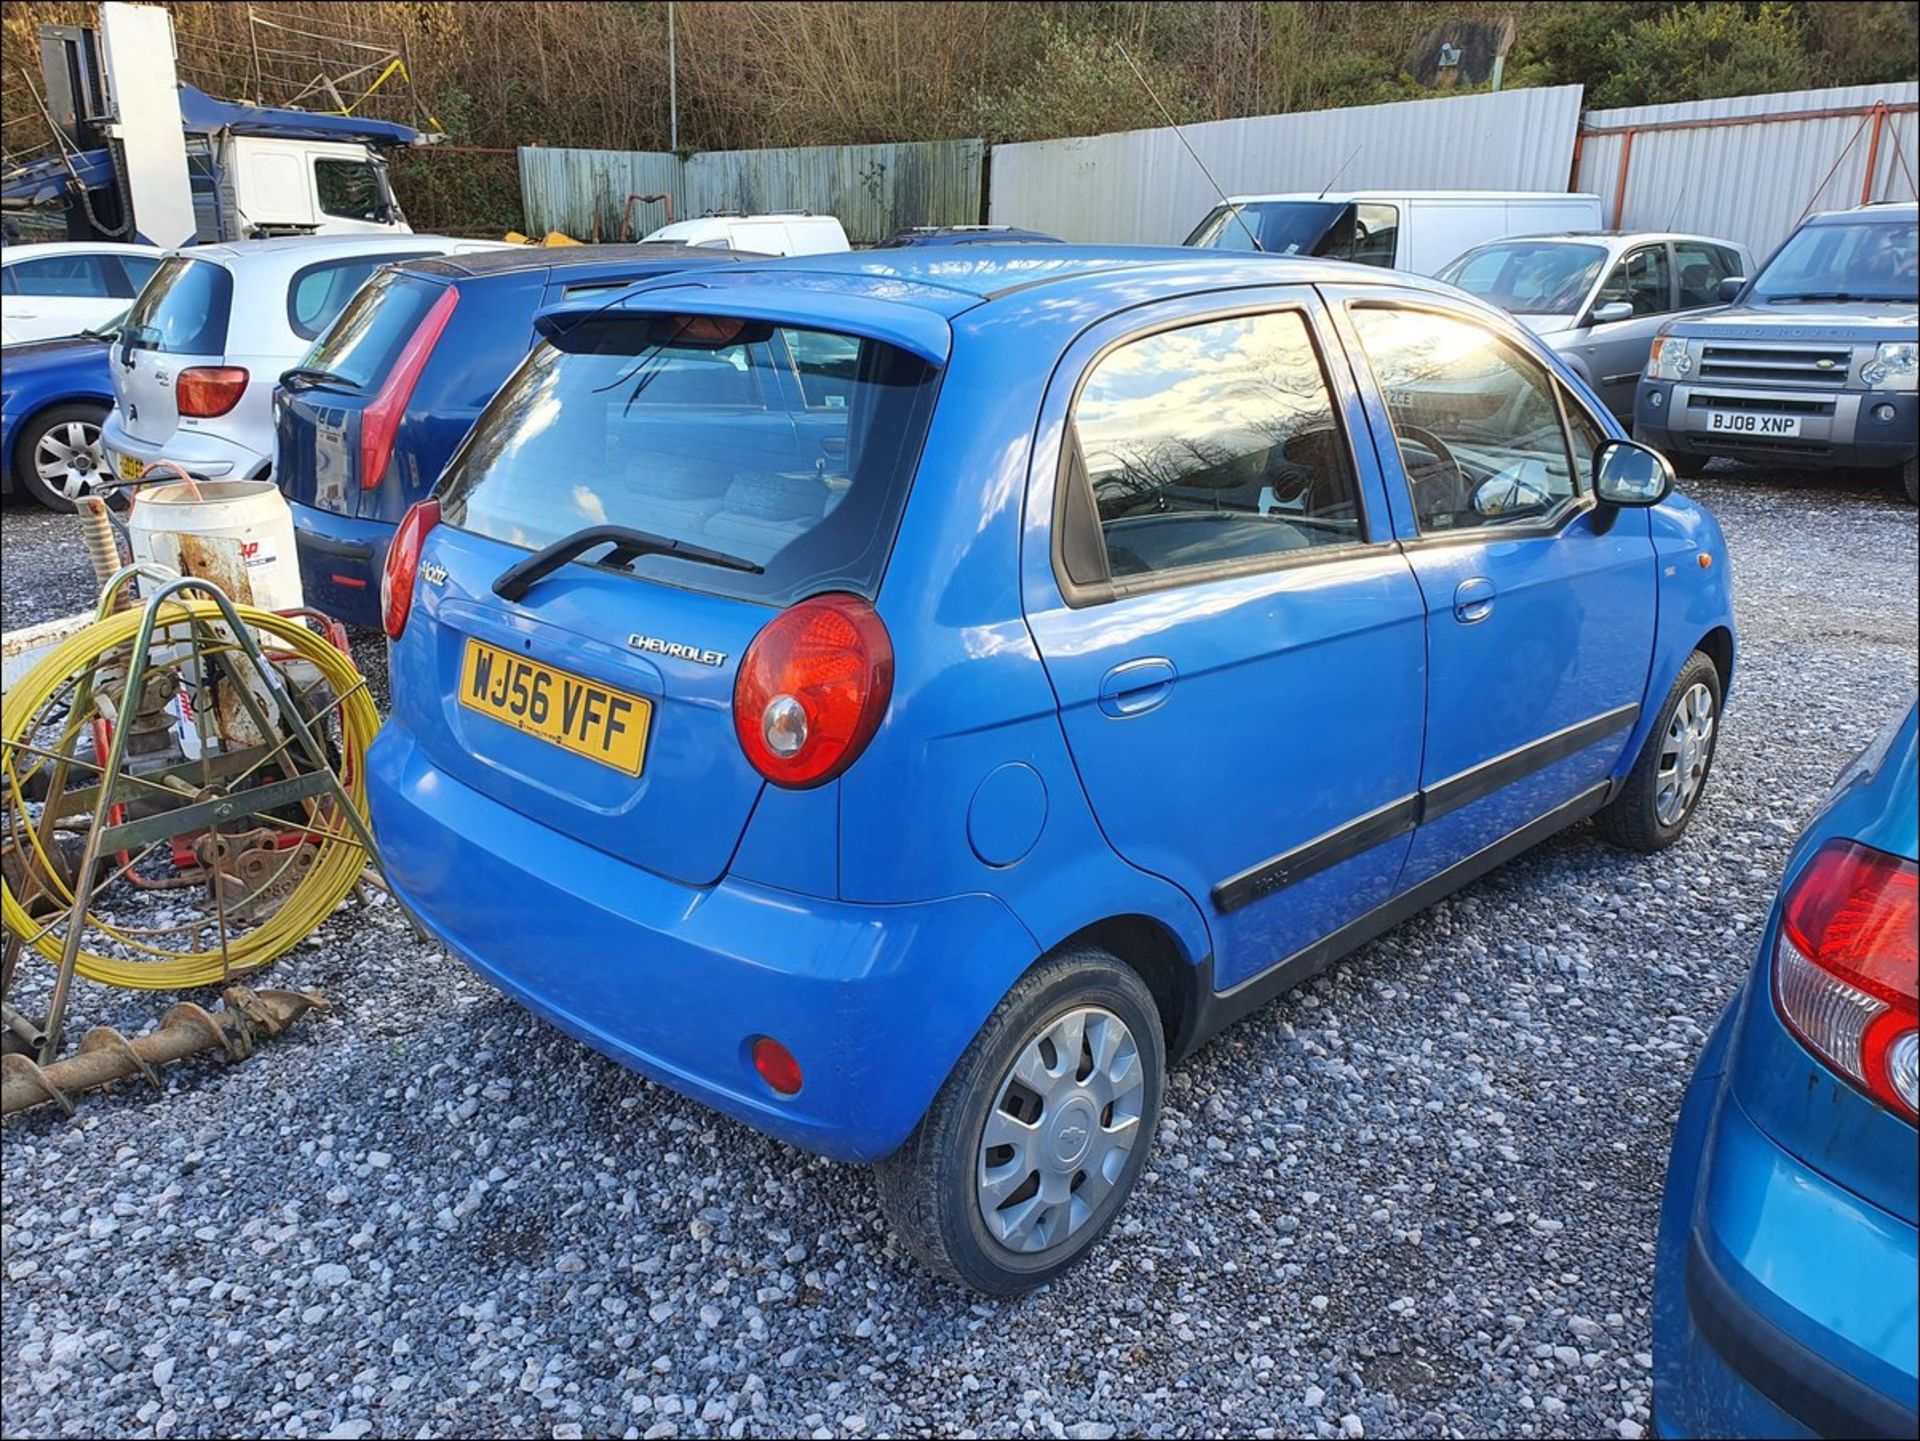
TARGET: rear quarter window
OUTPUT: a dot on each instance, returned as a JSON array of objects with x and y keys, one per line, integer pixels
[
  {"x": 719, "y": 445},
  {"x": 318, "y": 293},
  {"x": 183, "y": 310}
]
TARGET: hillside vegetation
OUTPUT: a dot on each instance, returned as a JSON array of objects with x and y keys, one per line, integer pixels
[{"x": 779, "y": 72}]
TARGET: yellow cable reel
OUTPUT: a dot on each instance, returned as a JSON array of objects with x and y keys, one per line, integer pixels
[{"x": 42, "y": 723}]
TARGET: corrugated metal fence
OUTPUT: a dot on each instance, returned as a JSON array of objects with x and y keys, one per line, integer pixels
[
  {"x": 1749, "y": 167},
  {"x": 873, "y": 189},
  {"x": 1141, "y": 187}
]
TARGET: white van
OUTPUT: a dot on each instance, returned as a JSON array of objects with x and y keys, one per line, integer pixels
[
  {"x": 1417, "y": 230},
  {"x": 792, "y": 234}
]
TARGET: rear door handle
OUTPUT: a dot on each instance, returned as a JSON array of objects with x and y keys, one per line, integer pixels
[
  {"x": 1473, "y": 600},
  {"x": 1137, "y": 686}
]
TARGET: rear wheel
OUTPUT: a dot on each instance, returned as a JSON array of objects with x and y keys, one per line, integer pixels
[
  {"x": 1032, "y": 1146},
  {"x": 1670, "y": 774},
  {"x": 60, "y": 450}
]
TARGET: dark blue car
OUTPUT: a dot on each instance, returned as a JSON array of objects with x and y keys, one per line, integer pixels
[
  {"x": 902, "y": 698},
  {"x": 53, "y": 396},
  {"x": 1784, "y": 1294},
  {"x": 365, "y": 422}
]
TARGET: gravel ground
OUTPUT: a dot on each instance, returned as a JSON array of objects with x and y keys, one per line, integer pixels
[{"x": 1417, "y": 1196}]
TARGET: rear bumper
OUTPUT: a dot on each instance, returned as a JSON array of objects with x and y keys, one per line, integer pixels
[
  {"x": 1779, "y": 1297},
  {"x": 1666, "y": 416},
  {"x": 210, "y": 457},
  {"x": 875, "y": 1002},
  {"x": 340, "y": 563}
]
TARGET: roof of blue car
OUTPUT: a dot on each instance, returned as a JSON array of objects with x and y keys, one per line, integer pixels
[{"x": 518, "y": 258}]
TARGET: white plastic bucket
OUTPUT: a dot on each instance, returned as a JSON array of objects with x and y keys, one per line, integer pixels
[{"x": 239, "y": 535}]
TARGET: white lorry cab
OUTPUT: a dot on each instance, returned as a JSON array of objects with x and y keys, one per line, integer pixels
[
  {"x": 141, "y": 157},
  {"x": 1417, "y": 230},
  {"x": 797, "y": 233}
]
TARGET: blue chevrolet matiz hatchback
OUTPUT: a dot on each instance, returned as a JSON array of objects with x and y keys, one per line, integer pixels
[
  {"x": 1784, "y": 1283},
  {"x": 901, "y": 701}
]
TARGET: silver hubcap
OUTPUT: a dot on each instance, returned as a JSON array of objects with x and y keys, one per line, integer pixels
[
  {"x": 68, "y": 458},
  {"x": 1062, "y": 1126},
  {"x": 1684, "y": 754}
]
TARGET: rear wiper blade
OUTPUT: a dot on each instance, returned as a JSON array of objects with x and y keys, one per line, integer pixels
[
  {"x": 628, "y": 544},
  {"x": 313, "y": 375}
]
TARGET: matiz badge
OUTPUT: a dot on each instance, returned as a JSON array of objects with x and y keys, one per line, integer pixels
[
  {"x": 434, "y": 573},
  {"x": 655, "y": 646}
]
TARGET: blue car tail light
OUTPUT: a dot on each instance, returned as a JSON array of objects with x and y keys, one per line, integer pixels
[
  {"x": 812, "y": 689},
  {"x": 1844, "y": 973},
  {"x": 403, "y": 565}
]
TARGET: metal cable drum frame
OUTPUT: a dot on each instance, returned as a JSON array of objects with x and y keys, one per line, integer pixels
[{"x": 299, "y": 775}]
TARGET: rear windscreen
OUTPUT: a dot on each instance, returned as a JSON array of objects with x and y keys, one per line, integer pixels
[
  {"x": 362, "y": 344},
  {"x": 182, "y": 310},
  {"x": 786, "y": 448}
]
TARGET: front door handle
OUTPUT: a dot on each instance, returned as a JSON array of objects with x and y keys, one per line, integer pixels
[
  {"x": 1136, "y": 687},
  {"x": 1473, "y": 600}
]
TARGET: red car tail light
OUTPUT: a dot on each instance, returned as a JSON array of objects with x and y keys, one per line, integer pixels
[
  {"x": 1844, "y": 968},
  {"x": 380, "y": 421},
  {"x": 403, "y": 565},
  {"x": 204, "y": 391},
  {"x": 812, "y": 689}
]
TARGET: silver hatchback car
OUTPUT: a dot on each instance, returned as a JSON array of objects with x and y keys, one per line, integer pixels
[{"x": 1600, "y": 297}]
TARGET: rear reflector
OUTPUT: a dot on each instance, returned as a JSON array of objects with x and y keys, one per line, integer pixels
[
  {"x": 380, "y": 421},
  {"x": 1844, "y": 975},
  {"x": 776, "y": 1066},
  {"x": 204, "y": 391},
  {"x": 403, "y": 565}
]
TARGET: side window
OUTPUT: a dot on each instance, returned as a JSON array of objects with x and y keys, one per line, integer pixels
[
  {"x": 826, "y": 365},
  {"x": 1700, "y": 268},
  {"x": 1477, "y": 421},
  {"x": 1376, "y": 232},
  {"x": 61, "y": 275},
  {"x": 1212, "y": 444},
  {"x": 1640, "y": 279},
  {"x": 319, "y": 293},
  {"x": 1584, "y": 436},
  {"x": 138, "y": 270},
  {"x": 349, "y": 189}
]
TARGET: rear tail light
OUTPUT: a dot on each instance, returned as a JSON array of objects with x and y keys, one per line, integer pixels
[
  {"x": 1844, "y": 968},
  {"x": 403, "y": 565},
  {"x": 380, "y": 421},
  {"x": 812, "y": 688},
  {"x": 204, "y": 391}
]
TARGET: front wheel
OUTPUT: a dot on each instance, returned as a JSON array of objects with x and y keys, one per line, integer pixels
[
  {"x": 1668, "y": 777},
  {"x": 1032, "y": 1146}
]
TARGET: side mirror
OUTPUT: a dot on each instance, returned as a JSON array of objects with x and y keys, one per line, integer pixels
[
  {"x": 1612, "y": 311},
  {"x": 1626, "y": 472},
  {"x": 1731, "y": 287}
]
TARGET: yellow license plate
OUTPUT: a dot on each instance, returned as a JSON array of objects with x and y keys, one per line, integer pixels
[
  {"x": 570, "y": 711},
  {"x": 130, "y": 468}
]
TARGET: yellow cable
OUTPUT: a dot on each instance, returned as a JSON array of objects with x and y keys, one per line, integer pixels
[{"x": 337, "y": 865}]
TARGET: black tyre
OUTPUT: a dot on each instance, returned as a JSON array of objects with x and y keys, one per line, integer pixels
[
  {"x": 1910, "y": 477},
  {"x": 57, "y": 445},
  {"x": 1670, "y": 774},
  {"x": 1032, "y": 1146}
]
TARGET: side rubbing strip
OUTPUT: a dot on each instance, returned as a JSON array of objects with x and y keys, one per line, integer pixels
[
  {"x": 1489, "y": 776},
  {"x": 1394, "y": 819},
  {"x": 1398, "y": 817}
]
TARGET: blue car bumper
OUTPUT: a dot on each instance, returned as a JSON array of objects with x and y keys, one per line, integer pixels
[
  {"x": 340, "y": 563},
  {"x": 1783, "y": 1303},
  {"x": 876, "y": 1002}
]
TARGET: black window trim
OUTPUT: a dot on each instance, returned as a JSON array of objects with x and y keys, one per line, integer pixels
[
  {"x": 1069, "y": 476},
  {"x": 341, "y": 262},
  {"x": 1583, "y": 501}
]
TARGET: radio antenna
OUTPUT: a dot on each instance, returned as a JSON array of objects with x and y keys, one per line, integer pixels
[
  {"x": 1181, "y": 136},
  {"x": 1338, "y": 173}
]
